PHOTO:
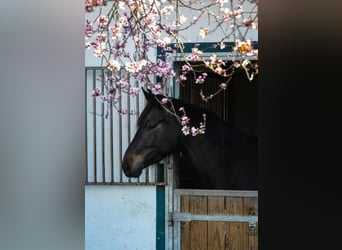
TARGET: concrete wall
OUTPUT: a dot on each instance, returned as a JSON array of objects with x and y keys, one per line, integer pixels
[{"x": 120, "y": 217}]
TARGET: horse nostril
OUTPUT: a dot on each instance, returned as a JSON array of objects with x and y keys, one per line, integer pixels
[
  {"x": 130, "y": 160},
  {"x": 125, "y": 166}
]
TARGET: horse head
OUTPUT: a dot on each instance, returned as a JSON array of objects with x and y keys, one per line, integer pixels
[{"x": 155, "y": 139}]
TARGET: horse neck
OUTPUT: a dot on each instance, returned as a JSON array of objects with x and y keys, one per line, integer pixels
[
  {"x": 200, "y": 147},
  {"x": 205, "y": 161},
  {"x": 217, "y": 137}
]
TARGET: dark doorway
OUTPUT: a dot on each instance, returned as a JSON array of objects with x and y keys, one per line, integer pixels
[{"x": 237, "y": 105}]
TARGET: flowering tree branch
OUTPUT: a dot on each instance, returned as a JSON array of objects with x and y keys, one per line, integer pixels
[{"x": 126, "y": 33}]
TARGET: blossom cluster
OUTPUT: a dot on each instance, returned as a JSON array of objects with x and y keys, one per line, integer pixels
[{"x": 186, "y": 129}]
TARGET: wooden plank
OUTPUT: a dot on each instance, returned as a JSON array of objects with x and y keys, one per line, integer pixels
[
  {"x": 216, "y": 230},
  {"x": 185, "y": 226},
  {"x": 198, "y": 229},
  {"x": 178, "y": 217},
  {"x": 250, "y": 207},
  {"x": 207, "y": 192},
  {"x": 235, "y": 239}
]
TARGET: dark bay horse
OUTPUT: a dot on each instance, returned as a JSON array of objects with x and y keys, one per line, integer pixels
[{"x": 221, "y": 158}]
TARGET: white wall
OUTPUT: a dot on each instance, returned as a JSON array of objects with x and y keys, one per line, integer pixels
[{"x": 120, "y": 217}]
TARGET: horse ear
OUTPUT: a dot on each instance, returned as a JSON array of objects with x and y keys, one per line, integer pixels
[
  {"x": 146, "y": 92},
  {"x": 148, "y": 95}
]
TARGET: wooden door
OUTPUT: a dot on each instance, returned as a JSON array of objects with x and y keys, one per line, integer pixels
[{"x": 214, "y": 220}]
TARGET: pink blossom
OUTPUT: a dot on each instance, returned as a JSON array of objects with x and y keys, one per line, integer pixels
[
  {"x": 204, "y": 32},
  {"x": 135, "y": 67},
  {"x": 134, "y": 91},
  {"x": 96, "y": 92},
  {"x": 103, "y": 21},
  {"x": 103, "y": 99},
  {"x": 200, "y": 79},
  {"x": 113, "y": 65},
  {"x": 116, "y": 32},
  {"x": 123, "y": 84},
  {"x": 167, "y": 10},
  {"x": 156, "y": 89},
  {"x": 111, "y": 89},
  {"x": 195, "y": 55},
  {"x": 164, "y": 100},
  {"x": 182, "y": 19},
  {"x": 186, "y": 68},
  {"x": 88, "y": 29},
  {"x": 185, "y": 130},
  {"x": 182, "y": 78}
]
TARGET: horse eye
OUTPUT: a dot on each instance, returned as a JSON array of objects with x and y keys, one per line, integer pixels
[{"x": 153, "y": 124}]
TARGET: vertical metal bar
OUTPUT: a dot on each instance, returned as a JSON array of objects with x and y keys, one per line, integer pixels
[
  {"x": 111, "y": 150},
  {"x": 128, "y": 117},
  {"x": 166, "y": 166},
  {"x": 102, "y": 131},
  {"x": 170, "y": 188},
  {"x": 147, "y": 173},
  {"x": 137, "y": 116},
  {"x": 86, "y": 126},
  {"x": 94, "y": 128},
  {"x": 120, "y": 135},
  {"x": 155, "y": 167}
]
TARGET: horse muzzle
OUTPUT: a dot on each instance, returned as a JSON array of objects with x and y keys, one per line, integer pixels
[{"x": 132, "y": 165}]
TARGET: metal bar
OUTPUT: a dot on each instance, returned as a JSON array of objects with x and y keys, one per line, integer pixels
[
  {"x": 86, "y": 126},
  {"x": 102, "y": 131},
  {"x": 128, "y": 119},
  {"x": 120, "y": 136},
  {"x": 155, "y": 167},
  {"x": 111, "y": 143},
  {"x": 136, "y": 84},
  {"x": 213, "y": 217},
  {"x": 147, "y": 175},
  {"x": 94, "y": 128},
  {"x": 231, "y": 193},
  {"x": 147, "y": 170},
  {"x": 170, "y": 205},
  {"x": 120, "y": 183},
  {"x": 165, "y": 170}
]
